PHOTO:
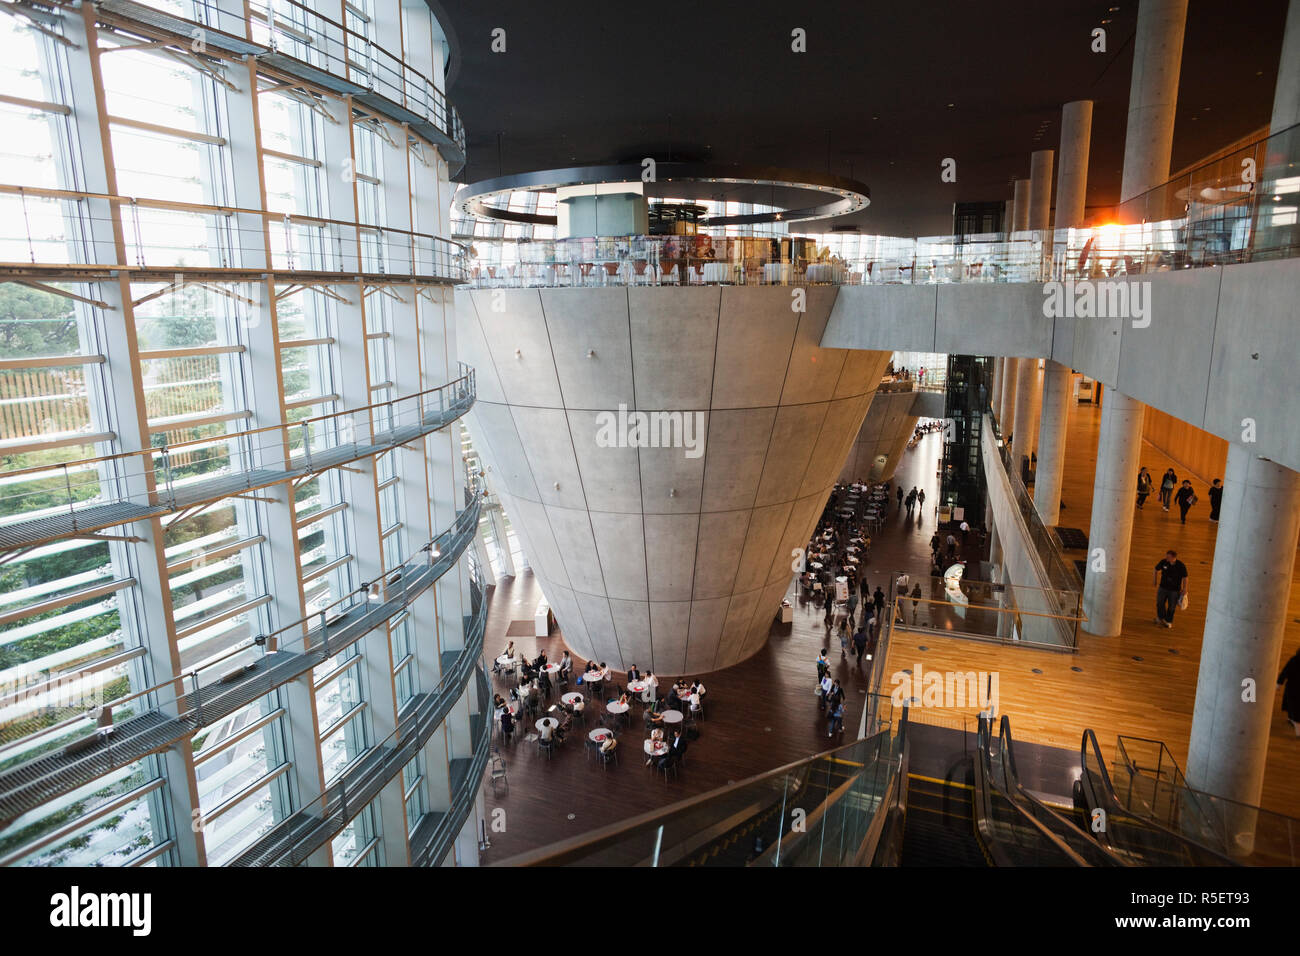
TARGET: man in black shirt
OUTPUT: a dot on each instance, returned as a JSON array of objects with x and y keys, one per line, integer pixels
[
  {"x": 1186, "y": 497},
  {"x": 1216, "y": 499},
  {"x": 1171, "y": 585}
]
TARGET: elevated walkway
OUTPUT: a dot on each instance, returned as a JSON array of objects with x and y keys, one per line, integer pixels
[{"x": 427, "y": 412}]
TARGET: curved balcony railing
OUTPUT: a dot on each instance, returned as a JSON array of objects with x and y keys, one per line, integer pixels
[
  {"x": 238, "y": 462},
  {"x": 89, "y": 744},
  {"x": 49, "y": 233},
  {"x": 1240, "y": 208},
  {"x": 293, "y": 839},
  {"x": 292, "y": 38}
]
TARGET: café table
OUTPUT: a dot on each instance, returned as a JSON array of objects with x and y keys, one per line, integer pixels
[
  {"x": 617, "y": 709},
  {"x": 654, "y": 748},
  {"x": 672, "y": 716},
  {"x": 636, "y": 687},
  {"x": 597, "y": 737},
  {"x": 572, "y": 698},
  {"x": 551, "y": 669},
  {"x": 777, "y": 272},
  {"x": 715, "y": 272}
]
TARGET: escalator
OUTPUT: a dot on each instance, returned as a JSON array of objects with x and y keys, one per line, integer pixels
[
  {"x": 1135, "y": 839},
  {"x": 940, "y": 828}
]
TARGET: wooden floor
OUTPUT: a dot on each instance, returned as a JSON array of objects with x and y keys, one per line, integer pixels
[
  {"x": 1142, "y": 684},
  {"x": 763, "y": 712}
]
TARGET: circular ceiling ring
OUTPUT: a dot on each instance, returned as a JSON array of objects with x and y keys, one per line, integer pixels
[{"x": 489, "y": 198}]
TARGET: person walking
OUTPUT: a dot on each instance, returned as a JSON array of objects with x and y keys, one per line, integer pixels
[
  {"x": 1171, "y": 587},
  {"x": 830, "y": 606},
  {"x": 1144, "y": 487},
  {"x": 910, "y": 501},
  {"x": 900, "y": 497},
  {"x": 920, "y": 502},
  {"x": 916, "y": 599},
  {"x": 1186, "y": 498},
  {"x": 860, "y": 639},
  {"x": 1216, "y": 499},
  {"x": 934, "y": 545},
  {"x": 1167, "y": 485},
  {"x": 852, "y": 605},
  {"x": 826, "y": 686},
  {"x": 952, "y": 547},
  {"x": 1289, "y": 681},
  {"x": 965, "y": 535},
  {"x": 844, "y": 638}
]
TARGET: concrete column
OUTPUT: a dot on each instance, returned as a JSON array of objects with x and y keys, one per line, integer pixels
[
  {"x": 1113, "y": 496},
  {"x": 1245, "y": 622},
  {"x": 1040, "y": 188},
  {"x": 1072, "y": 172},
  {"x": 1007, "y": 411},
  {"x": 1057, "y": 380},
  {"x": 1286, "y": 94},
  {"x": 1026, "y": 415},
  {"x": 995, "y": 397},
  {"x": 1071, "y": 191},
  {"x": 1021, "y": 208},
  {"x": 1153, "y": 94},
  {"x": 1153, "y": 100}
]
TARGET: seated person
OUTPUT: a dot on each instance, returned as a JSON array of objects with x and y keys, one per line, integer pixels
[
  {"x": 566, "y": 724},
  {"x": 657, "y": 734},
  {"x": 578, "y": 705},
  {"x": 608, "y": 746},
  {"x": 541, "y": 661},
  {"x": 547, "y": 732},
  {"x": 654, "y": 719}
]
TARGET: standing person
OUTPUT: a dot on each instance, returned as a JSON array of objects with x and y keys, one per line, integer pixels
[
  {"x": 853, "y": 604},
  {"x": 860, "y": 637},
  {"x": 827, "y": 685},
  {"x": 900, "y": 497},
  {"x": 952, "y": 546},
  {"x": 965, "y": 535},
  {"x": 1186, "y": 498},
  {"x": 823, "y": 665},
  {"x": 1171, "y": 586},
  {"x": 916, "y": 599},
  {"x": 830, "y": 606},
  {"x": 1144, "y": 487},
  {"x": 1216, "y": 499},
  {"x": 835, "y": 721},
  {"x": 910, "y": 501},
  {"x": 1167, "y": 485},
  {"x": 878, "y": 598},
  {"x": 1289, "y": 680},
  {"x": 844, "y": 638},
  {"x": 920, "y": 502},
  {"x": 934, "y": 545}
]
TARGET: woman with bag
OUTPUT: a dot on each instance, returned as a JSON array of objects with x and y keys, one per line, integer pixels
[
  {"x": 1167, "y": 485},
  {"x": 1144, "y": 487}
]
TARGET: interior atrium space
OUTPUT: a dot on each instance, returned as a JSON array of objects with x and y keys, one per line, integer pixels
[{"x": 484, "y": 436}]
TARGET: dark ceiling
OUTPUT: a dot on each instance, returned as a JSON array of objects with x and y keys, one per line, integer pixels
[{"x": 883, "y": 94}]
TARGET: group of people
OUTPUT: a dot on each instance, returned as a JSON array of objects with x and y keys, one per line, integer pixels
[
  {"x": 830, "y": 700},
  {"x": 1172, "y": 492},
  {"x": 913, "y": 499}
]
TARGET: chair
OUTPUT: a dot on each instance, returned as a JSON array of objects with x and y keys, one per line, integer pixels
[
  {"x": 667, "y": 766},
  {"x": 546, "y": 747},
  {"x": 606, "y": 758},
  {"x": 498, "y": 766}
]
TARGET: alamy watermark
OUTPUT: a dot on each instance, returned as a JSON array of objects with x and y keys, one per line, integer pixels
[
  {"x": 934, "y": 688},
  {"x": 1088, "y": 299},
  {"x": 632, "y": 429}
]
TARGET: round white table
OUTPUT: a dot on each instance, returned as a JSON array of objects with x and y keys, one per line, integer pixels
[
  {"x": 672, "y": 716},
  {"x": 717, "y": 272},
  {"x": 636, "y": 687},
  {"x": 654, "y": 748},
  {"x": 551, "y": 669},
  {"x": 616, "y": 708},
  {"x": 777, "y": 272},
  {"x": 572, "y": 698},
  {"x": 600, "y": 735},
  {"x": 505, "y": 661}
]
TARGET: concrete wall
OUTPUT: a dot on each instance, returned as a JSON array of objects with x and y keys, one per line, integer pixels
[
  {"x": 1218, "y": 351},
  {"x": 1022, "y": 571},
  {"x": 885, "y": 432},
  {"x": 646, "y": 555}
]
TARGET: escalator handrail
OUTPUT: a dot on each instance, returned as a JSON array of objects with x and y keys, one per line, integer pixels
[
  {"x": 1109, "y": 801},
  {"x": 889, "y": 847},
  {"x": 583, "y": 845},
  {"x": 984, "y": 808},
  {"x": 1016, "y": 791}
]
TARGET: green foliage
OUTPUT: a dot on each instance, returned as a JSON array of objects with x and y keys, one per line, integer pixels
[{"x": 35, "y": 323}]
